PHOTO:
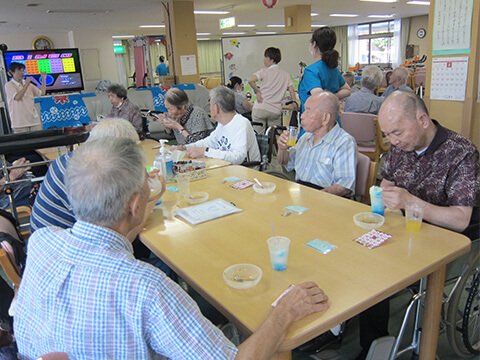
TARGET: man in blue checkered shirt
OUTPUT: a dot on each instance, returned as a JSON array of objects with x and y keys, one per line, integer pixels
[{"x": 92, "y": 299}]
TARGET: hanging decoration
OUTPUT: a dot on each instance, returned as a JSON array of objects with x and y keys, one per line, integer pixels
[{"x": 269, "y": 3}]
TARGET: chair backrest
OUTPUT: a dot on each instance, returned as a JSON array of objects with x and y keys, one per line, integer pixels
[
  {"x": 360, "y": 126},
  {"x": 8, "y": 265},
  {"x": 365, "y": 176}
]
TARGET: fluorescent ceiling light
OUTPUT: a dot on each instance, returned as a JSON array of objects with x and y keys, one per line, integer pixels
[
  {"x": 246, "y": 25},
  {"x": 203, "y": 33},
  {"x": 79, "y": 11},
  {"x": 152, "y": 26},
  {"x": 122, "y": 36},
  {"x": 418, "y": 2},
  {"x": 265, "y": 32},
  {"x": 203, "y": 38},
  {"x": 211, "y": 12},
  {"x": 318, "y": 25},
  {"x": 381, "y": 16},
  {"x": 234, "y": 33},
  {"x": 344, "y": 15},
  {"x": 313, "y": 14},
  {"x": 384, "y": 1},
  {"x": 276, "y": 25}
]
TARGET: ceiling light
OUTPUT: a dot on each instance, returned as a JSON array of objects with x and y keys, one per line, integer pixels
[
  {"x": 381, "y": 16},
  {"x": 234, "y": 33},
  {"x": 265, "y": 32},
  {"x": 384, "y": 1},
  {"x": 122, "y": 36},
  {"x": 203, "y": 38},
  {"x": 314, "y": 14},
  {"x": 246, "y": 25},
  {"x": 418, "y": 2},
  {"x": 84, "y": 11},
  {"x": 318, "y": 25},
  {"x": 211, "y": 12},
  {"x": 276, "y": 25},
  {"x": 152, "y": 26},
  {"x": 344, "y": 15},
  {"x": 203, "y": 33}
]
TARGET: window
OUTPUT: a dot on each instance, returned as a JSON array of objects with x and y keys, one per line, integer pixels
[{"x": 374, "y": 43}]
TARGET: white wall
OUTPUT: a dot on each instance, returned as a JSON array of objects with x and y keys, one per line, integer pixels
[{"x": 102, "y": 41}]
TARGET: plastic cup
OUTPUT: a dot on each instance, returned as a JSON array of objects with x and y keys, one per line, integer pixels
[
  {"x": 414, "y": 216},
  {"x": 378, "y": 207},
  {"x": 278, "y": 247},
  {"x": 292, "y": 135},
  {"x": 183, "y": 183}
]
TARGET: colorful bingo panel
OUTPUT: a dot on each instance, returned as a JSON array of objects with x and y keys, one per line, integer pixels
[{"x": 62, "y": 67}]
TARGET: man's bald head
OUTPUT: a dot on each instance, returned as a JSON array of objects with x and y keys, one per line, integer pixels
[
  {"x": 326, "y": 102},
  {"x": 399, "y": 77},
  {"x": 405, "y": 101}
]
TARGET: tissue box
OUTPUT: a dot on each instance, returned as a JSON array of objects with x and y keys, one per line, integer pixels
[{"x": 196, "y": 168}]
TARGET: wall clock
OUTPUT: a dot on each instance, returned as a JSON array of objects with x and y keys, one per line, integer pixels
[
  {"x": 421, "y": 33},
  {"x": 42, "y": 43}
]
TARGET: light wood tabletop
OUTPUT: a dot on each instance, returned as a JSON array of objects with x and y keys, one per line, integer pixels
[{"x": 353, "y": 276}]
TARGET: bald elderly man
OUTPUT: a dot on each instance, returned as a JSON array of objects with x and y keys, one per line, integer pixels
[
  {"x": 325, "y": 157},
  {"x": 398, "y": 81}
]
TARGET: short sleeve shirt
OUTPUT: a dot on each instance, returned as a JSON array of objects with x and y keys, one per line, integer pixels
[
  {"x": 22, "y": 112},
  {"x": 274, "y": 85},
  {"x": 446, "y": 174}
]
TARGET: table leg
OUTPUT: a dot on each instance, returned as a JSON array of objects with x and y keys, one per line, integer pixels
[
  {"x": 431, "y": 319},
  {"x": 284, "y": 355}
]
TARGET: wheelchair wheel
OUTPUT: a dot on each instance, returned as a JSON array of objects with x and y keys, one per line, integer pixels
[{"x": 463, "y": 315}]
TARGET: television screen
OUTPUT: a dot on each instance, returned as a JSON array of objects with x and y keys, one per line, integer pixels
[{"x": 62, "y": 66}]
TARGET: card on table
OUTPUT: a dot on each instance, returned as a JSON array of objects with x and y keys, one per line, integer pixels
[
  {"x": 172, "y": 188},
  {"x": 321, "y": 246},
  {"x": 232, "y": 179},
  {"x": 297, "y": 209},
  {"x": 242, "y": 184},
  {"x": 373, "y": 238}
]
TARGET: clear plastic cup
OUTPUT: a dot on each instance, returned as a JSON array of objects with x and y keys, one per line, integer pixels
[
  {"x": 278, "y": 247},
  {"x": 183, "y": 183},
  {"x": 414, "y": 216},
  {"x": 292, "y": 135},
  {"x": 378, "y": 207}
]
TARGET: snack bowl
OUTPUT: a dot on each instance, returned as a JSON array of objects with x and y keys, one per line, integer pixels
[
  {"x": 242, "y": 276},
  {"x": 368, "y": 220},
  {"x": 268, "y": 187},
  {"x": 197, "y": 197}
]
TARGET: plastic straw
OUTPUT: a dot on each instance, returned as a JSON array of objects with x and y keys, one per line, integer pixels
[{"x": 273, "y": 228}]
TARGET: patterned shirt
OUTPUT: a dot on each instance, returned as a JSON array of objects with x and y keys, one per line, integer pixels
[
  {"x": 128, "y": 111},
  {"x": 363, "y": 101},
  {"x": 446, "y": 174},
  {"x": 51, "y": 205},
  {"x": 91, "y": 299},
  {"x": 197, "y": 124},
  {"x": 332, "y": 160}
]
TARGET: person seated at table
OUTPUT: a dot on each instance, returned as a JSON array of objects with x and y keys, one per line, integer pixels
[
  {"x": 123, "y": 108},
  {"x": 365, "y": 101},
  {"x": 233, "y": 139},
  {"x": 188, "y": 122},
  {"x": 397, "y": 81},
  {"x": 430, "y": 165},
  {"x": 325, "y": 157},
  {"x": 242, "y": 105},
  {"x": 134, "y": 311},
  {"x": 21, "y": 191},
  {"x": 349, "y": 78}
]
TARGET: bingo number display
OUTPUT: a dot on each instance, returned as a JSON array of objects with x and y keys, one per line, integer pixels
[{"x": 62, "y": 67}]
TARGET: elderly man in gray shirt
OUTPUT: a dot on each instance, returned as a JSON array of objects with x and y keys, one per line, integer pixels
[{"x": 365, "y": 101}]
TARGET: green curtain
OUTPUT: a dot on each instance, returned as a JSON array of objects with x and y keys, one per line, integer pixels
[{"x": 209, "y": 56}]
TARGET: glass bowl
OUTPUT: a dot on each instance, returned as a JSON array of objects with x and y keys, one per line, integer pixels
[
  {"x": 242, "y": 276},
  {"x": 368, "y": 220},
  {"x": 268, "y": 187}
]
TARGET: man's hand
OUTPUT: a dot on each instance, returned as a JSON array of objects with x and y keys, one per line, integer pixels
[
  {"x": 154, "y": 174},
  {"x": 18, "y": 173},
  {"x": 196, "y": 152},
  {"x": 178, "y": 147},
  {"x": 282, "y": 140},
  {"x": 304, "y": 299},
  {"x": 27, "y": 81},
  {"x": 395, "y": 197}
]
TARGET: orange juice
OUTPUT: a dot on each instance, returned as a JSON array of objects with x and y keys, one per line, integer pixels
[
  {"x": 291, "y": 141},
  {"x": 413, "y": 225}
]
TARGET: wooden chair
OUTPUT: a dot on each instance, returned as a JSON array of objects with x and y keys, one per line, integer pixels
[
  {"x": 24, "y": 213},
  {"x": 366, "y": 131},
  {"x": 365, "y": 177},
  {"x": 8, "y": 265}
]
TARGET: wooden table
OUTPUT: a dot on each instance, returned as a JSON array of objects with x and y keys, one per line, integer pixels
[{"x": 353, "y": 276}]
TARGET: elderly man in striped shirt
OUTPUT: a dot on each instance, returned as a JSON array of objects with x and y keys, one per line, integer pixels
[{"x": 325, "y": 157}]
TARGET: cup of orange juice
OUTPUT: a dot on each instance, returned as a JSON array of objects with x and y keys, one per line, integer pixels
[
  {"x": 292, "y": 135},
  {"x": 414, "y": 216}
]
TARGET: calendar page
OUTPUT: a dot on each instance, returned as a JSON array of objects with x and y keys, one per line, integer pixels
[{"x": 449, "y": 78}]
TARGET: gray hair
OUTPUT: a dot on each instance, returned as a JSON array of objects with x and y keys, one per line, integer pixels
[
  {"x": 402, "y": 73},
  {"x": 177, "y": 97},
  {"x": 118, "y": 90},
  {"x": 101, "y": 178},
  {"x": 115, "y": 127},
  {"x": 224, "y": 98},
  {"x": 371, "y": 77}
]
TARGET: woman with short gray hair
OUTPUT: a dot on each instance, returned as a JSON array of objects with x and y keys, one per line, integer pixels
[{"x": 188, "y": 123}]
